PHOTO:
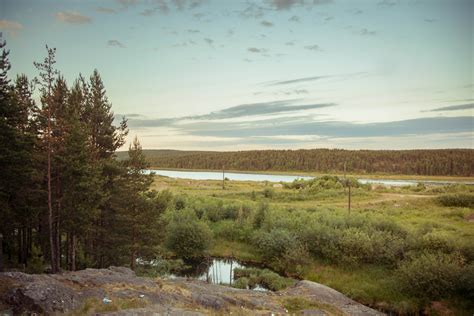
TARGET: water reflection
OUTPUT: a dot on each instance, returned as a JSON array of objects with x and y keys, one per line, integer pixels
[{"x": 216, "y": 271}]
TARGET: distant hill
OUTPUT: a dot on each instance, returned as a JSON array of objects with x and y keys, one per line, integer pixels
[{"x": 437, "y": 162}]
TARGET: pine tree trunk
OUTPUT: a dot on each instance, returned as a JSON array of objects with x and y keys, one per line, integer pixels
[
  {"x": 57, "y": 222},
  {"x": 19, "y": 237},
  {"x": 24, "y": 245},
  {"x": 1, "y": 252},
  {"x": 50, "y": 201},
  {"x": 68, "y": 251},
  {"x": 73, "y": 252},
  {"x": 133, "y": 253}
]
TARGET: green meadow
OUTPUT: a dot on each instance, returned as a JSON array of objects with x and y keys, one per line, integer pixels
[{"x": 399, "y": 249}]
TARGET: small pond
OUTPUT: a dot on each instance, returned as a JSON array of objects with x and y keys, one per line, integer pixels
[{"x": 216, "y": 271}]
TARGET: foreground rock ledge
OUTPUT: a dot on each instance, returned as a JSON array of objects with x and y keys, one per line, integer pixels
[{"x": 82, "y": 292}]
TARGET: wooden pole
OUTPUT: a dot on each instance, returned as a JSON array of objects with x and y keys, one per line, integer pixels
[{"x": 349, "y": 204}]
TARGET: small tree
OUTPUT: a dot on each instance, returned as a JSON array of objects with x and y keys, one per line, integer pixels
[{"x": 188, "y": 237}]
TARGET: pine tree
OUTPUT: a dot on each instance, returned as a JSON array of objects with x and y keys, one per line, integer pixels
[
  {"x": 138, "y": 216},
  {"x": 48, "y": 75},
  {"x": 80, "y": 178}
]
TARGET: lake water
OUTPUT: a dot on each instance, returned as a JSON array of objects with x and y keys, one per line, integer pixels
[{"x": 212, "y": 175}]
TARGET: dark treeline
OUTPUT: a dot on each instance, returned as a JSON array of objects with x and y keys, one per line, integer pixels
[
  {"x": 436, "y": 162},
  {"x": 64, "y": 197}
]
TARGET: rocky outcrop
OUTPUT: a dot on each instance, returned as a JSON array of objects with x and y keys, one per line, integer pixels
[{"x": 83, "y": 292}]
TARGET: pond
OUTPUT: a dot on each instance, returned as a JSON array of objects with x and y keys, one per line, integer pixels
[
  {"x": 216, "y": 271},
  {"x": 212, "y": 175}
]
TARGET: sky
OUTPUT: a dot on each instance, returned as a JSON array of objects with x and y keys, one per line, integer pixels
[{"x": 270, "y": 74}]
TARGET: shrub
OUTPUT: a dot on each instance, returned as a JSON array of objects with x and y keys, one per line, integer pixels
[
  {"x": 35, "y": 262},
  {"x": 242, "y": 283},
  {"x": 268, "y": 193},
  {"x": 430, "y": 276},
  {"x": 260, "y": 215},
  {"x": 274, "y": 244},
  {"x": 295, "y": 260},
  {"x": 466, "y": 282},
  {"x": 233, "y": 231},
  {"x": 188, "y": 237},
  {"x": 264, "y": 277},
  {"x": 457, "y": 200},
  {"x": 179, "y": 203},
  {"x": 163, "y": 200}
]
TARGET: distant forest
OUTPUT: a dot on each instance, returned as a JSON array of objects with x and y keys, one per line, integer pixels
[{"x": 439, "y": 162}]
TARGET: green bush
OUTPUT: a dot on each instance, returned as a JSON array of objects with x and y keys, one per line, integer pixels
[
  {"x": 457, "y": 200},
  {"x": 430, "y": 276},
  {"x": 180, "y": 203},
  {"x": 188, "y": 237},
  {"x": 466, "y": 282},
  {"x": 274, "y": 244},
  {"x": 260, "y": 215},
  {"x": 294, "y": 261},
  {"x": 268, "y": 193},
  {"x": 264, "y": 277},
  {"x": 233, "y": 231},
  {"x": 241, "y": 283},
  {"x": 35, "y": 262}
]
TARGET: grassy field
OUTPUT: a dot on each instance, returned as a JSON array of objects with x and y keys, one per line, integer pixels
[{"x": 415, "y": 210}]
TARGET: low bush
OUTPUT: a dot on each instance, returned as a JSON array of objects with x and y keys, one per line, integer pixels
[
  {"x": 187, "y": 236},
  {"x": 274, "y": 243},
  {"x": 269, "y": 193},
  {"x": 264, "y": 277},
  {"x": 457, "y": 200},
  {"x": 430, "y": 276}
]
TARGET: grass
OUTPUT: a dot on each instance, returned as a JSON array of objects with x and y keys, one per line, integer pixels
[
  {"x": 94, "y": 305},
  {"x": 296, "y": 304},
  {"x": 415, "y": 210}
]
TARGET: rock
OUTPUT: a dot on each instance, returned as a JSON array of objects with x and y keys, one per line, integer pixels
[
  {"x": 63, "y": 293},
  {"x": 326, "y": 295}
]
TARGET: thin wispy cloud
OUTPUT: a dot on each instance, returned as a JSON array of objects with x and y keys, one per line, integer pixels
[
  {"x": 115, "y": 43},
  {"x": 294, "y": 18},
  {"x": 72, "y": 17},
  {"x": 468, "y": 106},
  {"x": 10, "y": 27},
  {"x": 105, "y": 10},
  {"x": 308, "y": 126},
  {"x": 366, "y": 32},
  {"x": 266, "y": 23},
  {"x": 238, "y": 111},
  {"x": 256, "y": 50},
  {"x": 388, "y": 3},
  {"x": 263, "y": 108},
  {"x": 127, "y": 3},
  {"x": 314, "y": 47},
  {"x": 313, "y": 78}
]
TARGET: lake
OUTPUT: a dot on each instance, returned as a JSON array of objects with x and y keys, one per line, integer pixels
[{"x": 213, "y": 175}]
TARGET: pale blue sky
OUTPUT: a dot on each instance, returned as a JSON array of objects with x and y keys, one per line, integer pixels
[{"x": 232, "y": 75}]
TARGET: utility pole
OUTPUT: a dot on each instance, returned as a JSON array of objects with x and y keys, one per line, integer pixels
[
  {"x": 223, "y": 178},
  {"x": 349, "y": 202},
  {"x": 348, "y": 183}
]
